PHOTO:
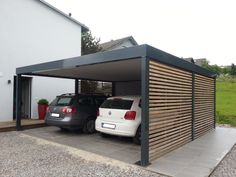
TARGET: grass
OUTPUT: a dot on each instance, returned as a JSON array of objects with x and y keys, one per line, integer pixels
[{"x": 226, "y": 101}]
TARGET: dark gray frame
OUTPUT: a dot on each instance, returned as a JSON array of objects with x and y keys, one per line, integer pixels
[{"x": 145, "y": 52}]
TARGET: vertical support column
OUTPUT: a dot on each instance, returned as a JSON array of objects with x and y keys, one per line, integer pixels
[
  {"x": 214, "y": 103},
  {"x": 193, "y": 106},
  {"x": 145, "y": 111},
  {"x": 18, "y": 102},
  {"x": 113, "y": 89},
  {"x": 76, "y": 87}
]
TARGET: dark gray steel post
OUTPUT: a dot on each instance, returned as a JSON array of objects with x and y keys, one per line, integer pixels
[
  {"x": 113, "y": 89},
  {"x": 214, "y": 102},
  {"x": 145, "y": 112},
  {"x": 18, "y": 102},
  {"x": 76, "y": 87},
  {"x": 193, "y": 106}
]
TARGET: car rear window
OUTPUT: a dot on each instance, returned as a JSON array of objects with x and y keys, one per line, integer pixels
[
  {"x": 64, "y": 101},
  {"x": 117, "y": 104}
]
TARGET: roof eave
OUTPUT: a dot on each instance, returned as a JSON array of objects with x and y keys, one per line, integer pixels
[{"x": 84, "y": 27}]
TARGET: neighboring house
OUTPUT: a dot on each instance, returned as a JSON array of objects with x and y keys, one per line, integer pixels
[
  {"x": 119, "y": 43},
  {"x": 113, "y": 45},
  {"x": 191, "y": 60},
  {"x": 32, "y": 31},
  {"x": 200, "y": 61}
]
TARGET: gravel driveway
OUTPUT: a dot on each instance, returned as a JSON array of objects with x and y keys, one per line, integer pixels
[
  {"x": 25, "y": 156},
  {"x": 227, "y": 167}
]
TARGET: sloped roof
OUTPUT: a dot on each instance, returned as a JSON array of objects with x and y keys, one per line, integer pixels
[
  {"x": 84, "y": 28},
  {"x": 191, "y": 60},
  {"x": 113, "y": 43}
]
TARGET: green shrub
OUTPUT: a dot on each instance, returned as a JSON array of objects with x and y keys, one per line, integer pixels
[{"x": 43, "y": 101}]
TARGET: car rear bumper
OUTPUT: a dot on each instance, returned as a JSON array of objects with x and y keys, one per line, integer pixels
[
  {"x": 127, "y": 129},
  {"x": 66, "y": 122}
]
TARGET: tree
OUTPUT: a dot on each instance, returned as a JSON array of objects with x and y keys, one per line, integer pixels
[
  {"x": 233, "y": 70},
  {"x": 90, "y": 45},
  {"x": 215, "y": 68}
]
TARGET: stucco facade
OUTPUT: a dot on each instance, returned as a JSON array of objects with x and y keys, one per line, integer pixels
[{"x": 30, "y": 33}]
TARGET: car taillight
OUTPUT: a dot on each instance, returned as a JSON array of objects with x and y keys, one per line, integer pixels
[
  {"x": 48, "y": 110},
  {"x": 130, "y": 115},
  {"x": 98, "y": 113},
  {"x": 68, "y": 110}
]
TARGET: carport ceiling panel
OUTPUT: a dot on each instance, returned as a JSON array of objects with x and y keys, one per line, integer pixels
[{"x": 126, "y": 70}]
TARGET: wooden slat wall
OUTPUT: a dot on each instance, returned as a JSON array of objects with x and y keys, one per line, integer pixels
[
  {"x": 204, "y": 105},
  {"x": 170, "y": 109}
]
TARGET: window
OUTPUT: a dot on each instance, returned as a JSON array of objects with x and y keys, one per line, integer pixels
[
  {"x": 117, "y": 104},
  {"x": 86, "y": 101},
  {"x": 99, "y": 100},
  {"x": 63, "y": 101}
]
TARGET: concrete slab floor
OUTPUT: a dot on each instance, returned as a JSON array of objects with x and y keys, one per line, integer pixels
[
  {"x": 122, "y": 149},
  {"x": 198, "y": 158}
]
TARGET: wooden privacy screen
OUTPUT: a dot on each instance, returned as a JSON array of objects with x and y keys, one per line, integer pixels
[
  {"x": 203, "y": 105},
  {"x": 170, "y": 108}
]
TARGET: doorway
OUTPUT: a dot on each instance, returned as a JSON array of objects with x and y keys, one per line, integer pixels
[{"x": 26, "y": 97}]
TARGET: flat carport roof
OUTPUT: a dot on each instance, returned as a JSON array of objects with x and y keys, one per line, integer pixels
[
  {"x": 117, "y": 65},
  {"x": 128, "y": 64}
]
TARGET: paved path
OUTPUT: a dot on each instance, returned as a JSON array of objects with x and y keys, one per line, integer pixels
[
  {"x": 24, "y": 156},
  {"x": 227, "y": 168},
  {"x": 197, "y": 158}
]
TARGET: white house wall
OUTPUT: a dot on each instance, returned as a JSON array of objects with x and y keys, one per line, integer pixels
[{"x": 31, "y": 33}]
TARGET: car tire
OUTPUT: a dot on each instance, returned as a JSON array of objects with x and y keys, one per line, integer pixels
[
  {"x": 137, "y": 137},
  {"x": 89, "y": 126}
]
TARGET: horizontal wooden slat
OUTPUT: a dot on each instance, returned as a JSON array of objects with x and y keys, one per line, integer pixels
[
  {"x": 159, "y": 65},
  {"x": 169, "y": 91},
  {"x": 171, "y": 136},
  {"x": 156, "y": 125},
  {"x": 156, "y": 155},
  {"x": 168, "y": 80},
  {"x": 169, "y": 70},
  {"x": 152, "y": 112},
  {"x": 169, "y": 87},
  {"x": 169, "y": 77},
  {"x": 169, "y": 74},
  {"x": 175, "y": 127},
  {"x": 173, "y": 130}
]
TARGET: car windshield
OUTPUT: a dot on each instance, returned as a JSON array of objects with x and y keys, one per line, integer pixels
[
  {"x": 117, "y": 104},
  {"x": 63, "y": 101}
]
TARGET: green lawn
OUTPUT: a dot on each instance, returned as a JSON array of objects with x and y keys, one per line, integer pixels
[{"x": 226, "y": 101}]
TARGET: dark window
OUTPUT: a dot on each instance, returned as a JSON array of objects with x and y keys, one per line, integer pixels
[
  {"x": 62, "y": 101},
  {"x": 140, "y": 103},
  {"x": 99, "y": 100},
  {"x": 117, "y": 104},
  {"x": 85, "y": 101}
]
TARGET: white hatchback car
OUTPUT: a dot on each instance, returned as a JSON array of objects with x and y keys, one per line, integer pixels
[{"x": 120, "y": 115}]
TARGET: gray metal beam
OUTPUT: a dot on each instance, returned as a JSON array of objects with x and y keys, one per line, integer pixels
[
  {"x": 145, "y": 112},
  {"x": 117, "y": 55},
  {"x": 91, "y": 59},
  {"x": 215, "y": 103},
  {"x": 76, "y": 87},
  {"x": 177, "y": 62},
  {"x": 193, "y": 106},
  {"x": 18, "y": 102}
]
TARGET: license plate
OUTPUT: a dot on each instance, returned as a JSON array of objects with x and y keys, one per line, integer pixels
[
  {"x": 55, "y": 115},
  {"x": 110, "y": 126}
]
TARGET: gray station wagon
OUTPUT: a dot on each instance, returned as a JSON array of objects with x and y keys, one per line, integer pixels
[{"x": 68, "y": 111}]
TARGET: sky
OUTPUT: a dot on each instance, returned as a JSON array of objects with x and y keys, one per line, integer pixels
[{"x": 184, "y": 28}]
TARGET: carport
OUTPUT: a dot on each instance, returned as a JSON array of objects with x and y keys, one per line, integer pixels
[{"x": 178, "y": 97}]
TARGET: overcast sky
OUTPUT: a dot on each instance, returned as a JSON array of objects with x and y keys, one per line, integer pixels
[{"x": 185, "y": 28}]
